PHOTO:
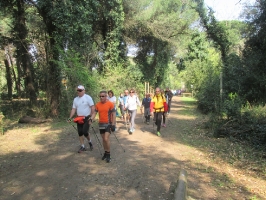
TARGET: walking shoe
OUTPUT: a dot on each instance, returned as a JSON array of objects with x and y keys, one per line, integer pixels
[
  {"x": 81, "y": 149},
  {"x": 104, "y": 156},
  {"x": 159, "y": 134},
  {"x": 164, "y": 125},
  {"x": 108, "y": 158},
  {"x": 148, "y": 123},
  {"x": 91, "y": 146}
]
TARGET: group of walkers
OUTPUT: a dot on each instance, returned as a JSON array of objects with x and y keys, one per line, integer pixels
[{"x": 83, "y": 106}]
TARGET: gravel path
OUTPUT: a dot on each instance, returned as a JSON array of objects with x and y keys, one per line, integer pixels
[{"x": 42, "y": 162}]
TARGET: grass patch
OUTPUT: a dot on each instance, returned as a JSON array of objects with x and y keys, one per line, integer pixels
[{"x": 189, "y": 106}]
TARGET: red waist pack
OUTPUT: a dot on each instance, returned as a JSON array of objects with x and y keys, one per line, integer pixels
[{"x": 79, "y": 120}]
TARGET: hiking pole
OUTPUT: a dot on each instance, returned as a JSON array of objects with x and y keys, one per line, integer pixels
[
  {"x": 96, "y": 136},
  {"x": 98, "y": 143},
  {"x": 118, "y": 141}
]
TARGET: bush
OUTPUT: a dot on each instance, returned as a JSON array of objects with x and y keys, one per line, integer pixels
[{"x": 232, "y": 106}]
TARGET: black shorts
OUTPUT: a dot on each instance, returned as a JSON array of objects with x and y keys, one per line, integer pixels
[
  {"x": 83, "y": 129},
  {"x": 103, "y": 128}
]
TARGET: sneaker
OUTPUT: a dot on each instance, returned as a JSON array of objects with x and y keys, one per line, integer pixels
[
  {"x": 108, "y": 158},
  {"x": 159, "y": 134},
  {"x": 104, "y": 156},
  {"x": 148, "y": 123},
  {"x": 91, "y": 146},
  {"x": 164, "y": 125},
  {"x": 81, "y": 149}
]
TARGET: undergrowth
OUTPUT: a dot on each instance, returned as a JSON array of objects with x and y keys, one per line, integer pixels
[{"x": 240, "y": 142}]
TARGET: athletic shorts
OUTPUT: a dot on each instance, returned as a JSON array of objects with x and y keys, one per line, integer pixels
[
  {"x": 83, "y": 129},
  {"x": 103, "y": 128}
]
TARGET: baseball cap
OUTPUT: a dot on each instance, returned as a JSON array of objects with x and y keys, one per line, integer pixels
[{"x": 81, "y": 87}]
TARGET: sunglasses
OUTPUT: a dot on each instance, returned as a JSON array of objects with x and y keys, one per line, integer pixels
[
  {"x": 101, "y": 96},
  {"x": 132, "y": 92},
  {"x": 157, "y": 91},
  {"x": 79, "y": 90}
]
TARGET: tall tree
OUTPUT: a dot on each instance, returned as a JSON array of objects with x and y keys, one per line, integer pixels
[
  {"x": 254, "y": 55},
  {"x": 156, "y": 27},
  {"x": 22, "y": 50},
  {"x": 20, "y": 40}
]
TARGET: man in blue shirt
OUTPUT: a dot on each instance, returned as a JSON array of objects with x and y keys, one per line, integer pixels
[{"x": 146, "y": 104}]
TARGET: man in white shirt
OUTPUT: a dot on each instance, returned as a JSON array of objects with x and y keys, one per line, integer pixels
[{"x": 83, "y": 105}]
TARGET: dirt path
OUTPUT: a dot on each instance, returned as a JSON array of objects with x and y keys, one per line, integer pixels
[{"x": 41, "y": 162}]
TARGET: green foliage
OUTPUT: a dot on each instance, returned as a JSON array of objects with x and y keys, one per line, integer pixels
[
  {"x": 120, "y": 78},
  {"x": 198, "y": 47},
  {"x": 74, "y": 73},
  {"x": 232, "y": 106},
  {"x": 204, "y": 76},
  {"x": 215, "y": 30},
  {"x": 254, "y": 58},
  {"x": 158, "y": 28}
]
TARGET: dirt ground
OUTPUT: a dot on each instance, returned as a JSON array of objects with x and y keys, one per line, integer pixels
[{"x": 41, "y": 162}]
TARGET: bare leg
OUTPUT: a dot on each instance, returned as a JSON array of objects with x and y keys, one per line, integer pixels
[
  {"x": 106, "y": 141},
  {"x": 81, "y": 140}
]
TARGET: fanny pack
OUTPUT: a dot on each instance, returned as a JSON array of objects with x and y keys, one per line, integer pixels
[
  {"x": 103, "y": 126},
  {"x": 79, "y": 119}
]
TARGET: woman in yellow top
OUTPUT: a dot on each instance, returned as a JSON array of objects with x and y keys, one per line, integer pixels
[{"x": 158, "y": 106}]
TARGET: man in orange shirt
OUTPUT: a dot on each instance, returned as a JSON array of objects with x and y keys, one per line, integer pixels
[{"x": 107, "y": 120}]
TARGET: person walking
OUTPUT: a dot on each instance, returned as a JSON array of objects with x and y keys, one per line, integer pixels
[
  {"x": 107, "y": 121},
  {"x": 112, "y": 98},
  {"x": 169, "y": 95},
  {"x": 83, "y": 105},
  {"x": 157, "y": 107},
  {"x": 164, "y": 113},
  {"x": 121, "y": 105},
  {"x": 146, "y": 105},
  {"x": 126, "y": 116},
  {"x": 132, "y": 104}
]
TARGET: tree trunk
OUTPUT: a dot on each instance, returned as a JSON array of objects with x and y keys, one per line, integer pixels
[
  {"x": 16, "y": 79},
  {"x": 8, "y": 79},
  {"x": 23, "y": 57},
  {"x": 54, "y": 72}
]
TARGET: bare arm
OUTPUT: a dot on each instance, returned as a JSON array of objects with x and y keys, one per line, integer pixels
[
  {"x": 92, "y": 110},
  {"x": 72, "y": 112},
  {"x": 114, "y": 118},
  {"x": 93, "y": 114}
]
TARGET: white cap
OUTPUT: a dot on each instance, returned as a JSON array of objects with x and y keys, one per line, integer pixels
[{"x": 81, "y": 87}]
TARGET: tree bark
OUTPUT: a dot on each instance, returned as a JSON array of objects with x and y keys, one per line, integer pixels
[
  {"x": 8, "y": 79},
  {"x": 23, "y": 57}
]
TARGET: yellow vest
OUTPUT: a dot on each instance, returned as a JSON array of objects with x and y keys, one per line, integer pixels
[{"x": 158, "y": 103}]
